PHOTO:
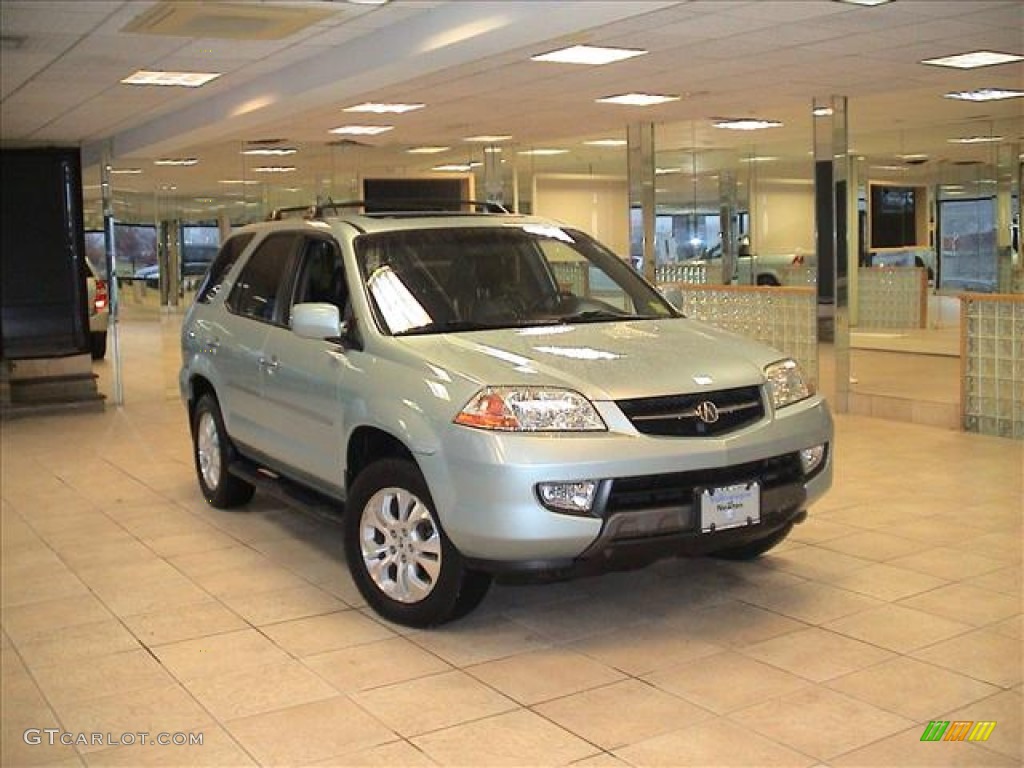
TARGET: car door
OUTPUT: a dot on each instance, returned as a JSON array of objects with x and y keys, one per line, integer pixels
[
  {"x": 307, "y": 382},
  {"x": 254, "y": 308}
]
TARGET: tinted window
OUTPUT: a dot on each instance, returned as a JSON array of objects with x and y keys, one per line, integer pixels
[
  {"x": 260, "y": 284},
  {"x": 321, "y": 275},
  {"x": 225, "y": 260}
]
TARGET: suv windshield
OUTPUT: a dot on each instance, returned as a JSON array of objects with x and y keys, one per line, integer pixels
[{"x": 442, "y": 280}]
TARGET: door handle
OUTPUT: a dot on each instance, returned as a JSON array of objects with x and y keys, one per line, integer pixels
[{"x": 269, "y": 365}]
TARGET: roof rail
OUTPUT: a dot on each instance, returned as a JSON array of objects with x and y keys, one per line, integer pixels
[
  {"x": 279, "y": 214},
  {"x": 412, "y": 205}
]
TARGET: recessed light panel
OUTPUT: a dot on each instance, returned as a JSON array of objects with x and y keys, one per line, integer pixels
[
  {"x": 745, "y": 123},
  {"x": 184, "y": 79},
  {"x": 976, "y": 140},
  {"x": 384, "y": 109},
  {"x": 452, "y": 167},
  {"x": 125, "y": 171},
  {"x": 176, "y": 161},
  {"x": 985, "y": 94},
  {"x": 867, "y": 3},
  {"x": 638, "y": 99},
  {"x": 544, "y": 152},
  {"x": 274, "y": 169},
  {"x": 606, "y": 143},
  {"x": 270, "y": 151},
  {"x": 361, "y": 130},
  {"x": 244, "y": 182},
  {"x": 589, "y": 54},
  {"x": 974, "y": 59},
  {"x": 487, "y": 139},
  {"x": 427, "y": 150}
]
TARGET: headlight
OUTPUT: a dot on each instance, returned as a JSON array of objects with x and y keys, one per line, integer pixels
[
  {"x": 530, "y": 409},
  {"x": 787, "y": 383}
]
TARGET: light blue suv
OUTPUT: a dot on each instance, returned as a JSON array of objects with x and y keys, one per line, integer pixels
[{"x": 485, "y": 394}]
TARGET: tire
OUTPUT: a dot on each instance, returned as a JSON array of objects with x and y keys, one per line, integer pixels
[
  {"x": 98, "y": 344},
  {"x": 213, "y": 453},
  {"x": 767, "y": 280},
  {"x": 756, "y": 548},
  {"x": 400, "y": 558}
]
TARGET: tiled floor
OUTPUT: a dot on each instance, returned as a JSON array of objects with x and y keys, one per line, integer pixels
[{"x": 128, "y": 605}]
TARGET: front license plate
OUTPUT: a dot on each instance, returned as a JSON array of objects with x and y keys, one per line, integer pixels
[{"x": 731, "y": 506}]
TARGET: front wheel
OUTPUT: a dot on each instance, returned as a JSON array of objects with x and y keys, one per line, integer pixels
[
  {"x": 754, "y": 548},
  {"x": 98, "y": 344},
  {"x": 404, "y": 565},
  {"x": 213, "y": 452}
]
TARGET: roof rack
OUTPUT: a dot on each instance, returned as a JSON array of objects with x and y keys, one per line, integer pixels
[{"x": 397, "y": 207}]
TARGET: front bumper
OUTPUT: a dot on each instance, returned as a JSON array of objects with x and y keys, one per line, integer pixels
[{"x": 483, "y": 484}]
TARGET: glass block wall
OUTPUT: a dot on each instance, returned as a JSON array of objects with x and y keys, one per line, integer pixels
[
  {"x": 681, "y": 273},
  {"x": 892, "y": 297},
  {"x": 785, "y": 318},
  {"x": 992, "y": 364}
]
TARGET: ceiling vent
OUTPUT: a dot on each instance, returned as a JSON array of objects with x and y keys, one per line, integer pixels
[{"x": 225, "y": 21}]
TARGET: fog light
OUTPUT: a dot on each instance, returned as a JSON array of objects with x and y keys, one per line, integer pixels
[
  {"x": 811, "y": 457},
  {"x": 574, "y": 498}
]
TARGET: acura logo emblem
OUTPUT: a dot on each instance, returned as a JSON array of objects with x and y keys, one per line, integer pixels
[{"x": 706, "y": 411}]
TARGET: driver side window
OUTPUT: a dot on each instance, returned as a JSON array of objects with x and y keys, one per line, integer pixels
[{"x": 321, "y": 275}]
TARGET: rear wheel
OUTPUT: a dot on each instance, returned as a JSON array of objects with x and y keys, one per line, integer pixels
[
  {"x": 213, "y": 453},
  {"x": 755, "y": 548},
  {"x": 401, "y": 559}
]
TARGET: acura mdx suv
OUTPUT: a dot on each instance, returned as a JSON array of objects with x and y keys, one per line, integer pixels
[{"x": 482, "y": 394}]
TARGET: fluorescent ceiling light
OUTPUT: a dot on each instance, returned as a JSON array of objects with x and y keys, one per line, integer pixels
[
  {"x": 666, "y": 171},
  {"x": 606, "y": 143},
  {"x": 985, "y": 94},
  {"x": 492, "y": 150},
  {"x": 637, "y": 99},
  {"x": 973, "y": 59},
  {"x": 912, "y": 157},
  {"x": 274, "y": 169},
  {"x": 896, "y": 168},
  {"x": 822, "y": 111},
  {"x": 758, "y": 159},
  {"x": 976, "y": 140},
  {"x": 427, "y": 150},
  {"x": 185, "y": 79},
  {"x": 589, "y": 54},
  {"x": 866, "y": 3},
  {"x": 487, "y": 139},
  {"x": 383, "y": 109},
  {"x": 544, "y": 152},
  {"x": 361, "y": 130},
  {"x": 124, "y": 171},
  {"x": 246, "y": 182},
  {"x": 452, "y": 167},
  {"x": 745, "y": 123},
  {"x": 181, "y": 161},
  {"x": 271, "y": 151}
]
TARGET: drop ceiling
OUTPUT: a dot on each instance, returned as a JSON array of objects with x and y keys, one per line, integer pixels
[{"x": 289, "y": 68}]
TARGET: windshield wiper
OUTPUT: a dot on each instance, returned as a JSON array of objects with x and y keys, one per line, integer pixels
[
  {"x": 599, "y": 315},
  {"x": 447, "y": 326}
]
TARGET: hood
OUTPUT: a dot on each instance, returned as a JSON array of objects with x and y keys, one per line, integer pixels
[{"x": 604, "y": 361}]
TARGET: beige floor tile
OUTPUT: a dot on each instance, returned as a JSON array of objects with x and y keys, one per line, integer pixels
[
  {"x": 309, "y": 732},
  {"x": 1012, "y": 627},
  {"x": 820, "y": 723},
  {"x": 598, "y": 715},
  {"x": 983, "y": 654},
  {"x": 219, "y": 654},
  {"x": 538, "y": 676},
  {"x": 330, "y": 632},
  {"x": 454, "y": 698},
  {"x": 898, "y": 628},
  {"x": 376, "y": 664},
  {"x": 479, "y": 638},
  {"x": 165, "y": 709},
  {"x": 812, "y": 603},
  {"x": 33, "y": 621},
  {"x": 816, "y": 530},
  {"x": 260, "y": 689},
  {"x": 913, "y": 689},
  {"x": 390, "y": 755},
  {"x": 1004, "y": 545},
  {"x": 965, "y": 603},
  {"x": 1008, "y": 580},
  {"x": 716, "y": 741},
  {"x": 118, "y": 673},
  {"x": 22, "y": 745},
  {"x": 949, "y": 563},
  {"x": 77, "y": 643},
  {"x": 512, "y": 739},
  {"x": 905, "y": 749},
  {"x": 733, "y": 623},
  {"x": 197, "y": 564},
  {"x": 248, "y": 580},
  {"x": 173, "y": 624},
  {"x": 726, "y": 682},
  {"x": 645, "y": 648},
  {"x": 1007, "y": 710},
  {"x": 574, "y": 620},
  {"x": 284, "y": 605},
  {"x": 19, "y": 590},
  {"x": 218, "y": 749},
  {"x": 190, "y": 543},
  {"x": 873, "y": 545},
  {"x": 106, "y": 553},
  {"x": 817, "y": 654},
  {"x": 130, "y": 597},
  {"x": 886, "y": 582}
]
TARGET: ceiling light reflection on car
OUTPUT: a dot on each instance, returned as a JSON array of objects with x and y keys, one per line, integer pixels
[{"x": 399, "y": 307}]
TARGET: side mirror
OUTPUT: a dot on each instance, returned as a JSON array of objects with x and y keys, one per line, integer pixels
[{"x": 317, "y": 321}]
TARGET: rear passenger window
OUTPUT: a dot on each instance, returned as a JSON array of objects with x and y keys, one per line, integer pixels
[
  {"x": 259, "y": 287},
  {"x": 222, "y": 264}
]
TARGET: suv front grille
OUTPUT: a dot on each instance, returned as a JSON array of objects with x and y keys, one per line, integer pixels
[
  {"x": 677, "y": 415},
  {"x": 678, "y": 489}
]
